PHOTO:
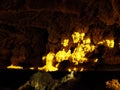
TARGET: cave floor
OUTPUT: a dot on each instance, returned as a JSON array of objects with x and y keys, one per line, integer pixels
[{"x": 88, "y": 80}]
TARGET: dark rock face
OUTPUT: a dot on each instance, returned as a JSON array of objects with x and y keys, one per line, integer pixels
[
  {"x": 45, "y": 81},
  {"x": 28, "y": 29},
  {"x": 74, "y": 81},
  {"x": 16, "y": 44}
]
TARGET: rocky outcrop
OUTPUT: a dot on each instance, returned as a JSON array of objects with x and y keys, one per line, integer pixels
[{"x": 29, "y": 28}]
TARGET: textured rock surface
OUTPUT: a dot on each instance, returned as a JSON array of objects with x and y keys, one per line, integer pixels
[{"x": 32, "y": 27}]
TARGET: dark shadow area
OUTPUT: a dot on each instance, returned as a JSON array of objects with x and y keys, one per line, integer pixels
[{"x": 12, "y": 79}]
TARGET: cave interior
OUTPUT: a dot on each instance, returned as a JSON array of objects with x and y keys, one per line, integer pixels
[{"x": 59, "y": 37}]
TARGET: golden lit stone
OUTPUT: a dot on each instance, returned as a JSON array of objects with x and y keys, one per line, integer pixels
[
  {"x": 82, "y": 47},
  {"x": 43, "y": 58},
  {"x": 79, "y": 48},
  {"x": 87, "y": 48},
  {"x": 69, "y": 70},
  {"x": 14, "y": 67},
  {"x": 109, "y": 43},
  {"x": 100, "y": 42},
  {"x": 92, "y": 48},
  {"x": 65, "y": 42},
  {"x": 62, "y": 55},
  {"x": 31, "y": 68},
  {"x": 82, "y": 69},
  {"x": 76, "y": 37},
  {"x": 49, "y": 63},
  {"x": 78, "y": 57},
  {"x": 82, "y": 36},
  {"x": 96, "y": 60},
  {"x": 87, "y": 41},
  {"x": 74, "y": 69},
  {"x": 48, "y": 68}
]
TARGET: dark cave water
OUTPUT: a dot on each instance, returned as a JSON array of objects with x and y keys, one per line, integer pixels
[{"x": 90, "y": 80}]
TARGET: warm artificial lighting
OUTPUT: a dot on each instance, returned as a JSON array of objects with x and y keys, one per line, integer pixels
[
  {"x": 65, "y": 42},
  {"x": 32, "y": 68},
  {"x": 76, "y": 37},
  {"x": 14, "y": 67},
  {"x": 119, "y": 45},
  {"x": 49, "y": 63},
  {"x": 100, "y": 43},
  {"x": 62, "y": 55},
  {"x": 109, "y": 43},
  {"x": 96, "y": 60},
  {"x": 82, "y": 47},
  {"x": 74, "y": 69},
  {"x": 78, "y": 56},
  {"x": 82, "y": 69},
  {"x": 69, "y": 70}
]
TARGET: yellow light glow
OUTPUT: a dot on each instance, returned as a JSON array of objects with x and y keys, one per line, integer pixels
[
  {"x": 48, "y": 68},
  {"x": 82, "y": 35},
  {"x": 82, "y": 45},
  {"x": 31, "y": 68},
  {"x": 109, "y": 43},
  {"x": 96, "y": 60},
  {"x": 78, "y": 57},
  {"x": 87, "y": 48},
  {"x": 82, "y": 69},
  {"x": 49, "y": 58},
  {"x": 14, "y": 67},
  {"x": 43, "y": 58},
  {"x": 74, "y": 69},
  {"x": 92, "y": 48},
  {"x": 76, "y": 37},
  {"x": 49, "y": 63},
  {"x": 69, "y": 70},
  {"x": 87, "y": 41},
  {"x": 62, "y": 55},
  {"x": 65, "y": 42}
]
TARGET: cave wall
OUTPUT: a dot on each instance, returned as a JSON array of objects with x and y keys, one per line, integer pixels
[{"x": 33, "y": 26}]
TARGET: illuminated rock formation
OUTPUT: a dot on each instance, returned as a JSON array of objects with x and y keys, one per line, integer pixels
[{"x": 65, "y": 30}]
